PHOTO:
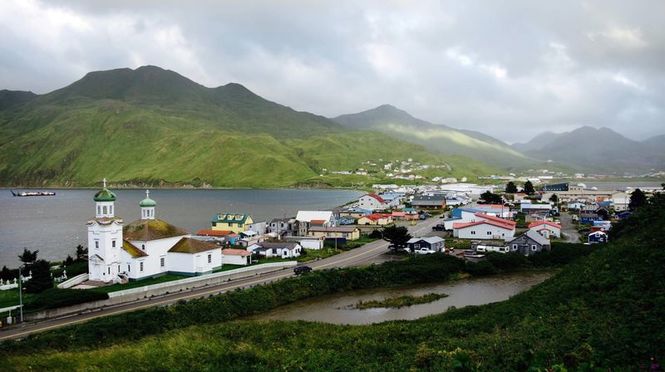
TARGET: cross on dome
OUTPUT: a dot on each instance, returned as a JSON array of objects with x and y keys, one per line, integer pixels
[
  {"x": 147, "y": 194},
  {"x": 104, "y": 180}
]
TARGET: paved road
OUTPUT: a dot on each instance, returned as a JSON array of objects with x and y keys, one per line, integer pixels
[
  {"x": 369, "y": 253},
  {"x": 568, "y": 228}
]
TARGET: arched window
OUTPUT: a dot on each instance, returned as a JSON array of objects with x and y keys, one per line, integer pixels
[
  {"x": 104, "y": 209},
  {"x": 99, "y": 210}
]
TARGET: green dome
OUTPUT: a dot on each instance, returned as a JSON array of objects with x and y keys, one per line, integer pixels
[
  {"x": 104, "y": 196},
  {"x": 147, "y": 202}
]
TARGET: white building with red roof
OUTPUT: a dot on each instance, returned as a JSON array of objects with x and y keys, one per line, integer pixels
[
  {"x": 546, "y": 228},
  {"x": 372, "y": 202},
  {"x": 485, "y": 227}
]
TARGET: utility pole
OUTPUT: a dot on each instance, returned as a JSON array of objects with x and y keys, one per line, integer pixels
[{"x": 20, "y": 295}]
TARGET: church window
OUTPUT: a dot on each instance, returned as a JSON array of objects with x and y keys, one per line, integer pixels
[
  {"x": 143, "y": 246},
  {"x": 111, "y": 209},
  {"x": 113, "y": 243},
  {"x": 104, "y": 209},
  {"x": 161, "y": 261},
  {"x": 109, "y": 269},
  {"x": 141, "y": 266},
  {"x": 99, "y": 210},
  {"x": 129, "y": 268},
  {"x": 209, "y": 258},
  {"x": 96, "y": 244},
  {"x": 118, "y": 268}
]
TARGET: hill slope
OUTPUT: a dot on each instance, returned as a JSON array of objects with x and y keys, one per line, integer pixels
[
  {"x": 439, "y": 138},
  {"x": 599, "y": 149},
  {"x": 154, "y": 126}
]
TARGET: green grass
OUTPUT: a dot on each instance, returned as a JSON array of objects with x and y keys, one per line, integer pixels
[
  {"x": 399, "y": 302},
  {"x": 10, "y": 298},
  {"x": 364, "y": 239},
  {"x": 139, "y": 283},
  {"x": 314, "y": 254}
]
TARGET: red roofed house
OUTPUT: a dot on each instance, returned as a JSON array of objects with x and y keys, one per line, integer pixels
[
  {"x": 546, "y": 228},
  {"x": 485, "y": 227},
  {"x": 372, "y": 202},
  {"x": 380, "y": 219},
  {"x": 236, "y": 257}
]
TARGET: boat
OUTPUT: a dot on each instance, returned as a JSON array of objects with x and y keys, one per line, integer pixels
[
  {"x": 33, "y": 193},
  {"x": 473, "y": 256}
]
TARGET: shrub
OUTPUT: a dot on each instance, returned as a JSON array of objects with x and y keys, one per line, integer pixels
[{"x": 55, "y": 297}]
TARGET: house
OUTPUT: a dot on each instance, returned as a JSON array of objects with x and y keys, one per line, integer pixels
[
  {"x": 354, "y": 213},
  {"x": 529, "y": 243},
  {"x": 372, "y": 202},
  {"x": 379, "y": 219},
  {"x": 276, "y": 249},
  {"x": 260, "y": 228},
  {"x": 575, "y": 206},
  {"x": 588, "y": 217},
  {"x": 307, "y": 242},
  {"x": 190, "y": 256},
  {"x": 485, "y": 227},
  {"x": 304, "y": 219},
  {"x": 144, "y": 248},
  {"x": 498, "y": 210},
  {"x": 597, "y": 237},
  {"x": 620, "y": 201},
  {"x": 433, "y": 243},
  {"x": 429, "y": 201},
  {"x": 394, "y": 199},
  {"x": 231, "y": 222},
  {"x": 527, "y": 207},
  {"x": 546, "y": 228},
  {"x": 236, "y": 257},
  {"x": 335, "y": 232},
  {"x": 281, "y": 226}
]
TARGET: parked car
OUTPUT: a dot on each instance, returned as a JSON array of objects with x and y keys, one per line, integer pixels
[
  {"x": 424, "y": 250},
  {"x": 439, "y": 227},
  {"x": 302, "y": 270}
]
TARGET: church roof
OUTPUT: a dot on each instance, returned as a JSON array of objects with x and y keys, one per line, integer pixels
[
  {"x": 147, "y": 202},
  {"x": 104, "y": 195},
  {"x": 145, "y": 230},
  {"x": 189, "y": 245},
  {"x": 132, "y": 249}
]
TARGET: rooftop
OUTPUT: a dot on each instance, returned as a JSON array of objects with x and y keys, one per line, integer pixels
[
  {"x": 132, "y": 249},
  {"x": 189, "y": 245},
  {"x": 145, "y": 230}
]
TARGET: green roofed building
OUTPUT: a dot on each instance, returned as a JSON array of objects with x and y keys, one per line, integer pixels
[{"x": 233, "y": 222}]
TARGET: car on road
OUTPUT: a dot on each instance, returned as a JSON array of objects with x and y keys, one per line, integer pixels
[{"x": 301, "y": 270}]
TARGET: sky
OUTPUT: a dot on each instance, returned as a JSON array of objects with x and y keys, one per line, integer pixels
[{"x": 510, "y": 69}]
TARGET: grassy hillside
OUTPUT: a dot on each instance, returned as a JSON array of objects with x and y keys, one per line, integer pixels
[
  {"x": 439, "y": 138},
  {"x": 153, "y": 126},
  {"x": 603, "y": 312}
]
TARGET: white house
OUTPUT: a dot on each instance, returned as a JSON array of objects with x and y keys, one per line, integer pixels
[
  {"x": 144, "y": 248},
  {"x": 485, "y": 227},
  {"x": 236, "y": 257},
  {"x": 319, "y": 218},
  {"x": 546, "y": 228},
  {"x": 620, "y": 201},
  {"x": 276, "y": 249},
  {"x": 372, "y": 202}
]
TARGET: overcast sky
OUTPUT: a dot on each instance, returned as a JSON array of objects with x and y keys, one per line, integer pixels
[{"x": 511, "y": 69}]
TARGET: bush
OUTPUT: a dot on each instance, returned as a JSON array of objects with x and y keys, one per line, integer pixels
[
  {"x": 55, "y": 297},
  {"x": 481, "y": 268}
]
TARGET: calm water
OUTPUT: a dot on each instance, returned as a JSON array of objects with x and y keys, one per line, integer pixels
[
  {"x": 55, "y": 225},
  {"x": 337, "y": 309}
]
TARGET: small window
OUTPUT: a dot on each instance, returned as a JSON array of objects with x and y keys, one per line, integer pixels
[
  {"x": 143, "y": 246},
  {"x": 105, "y": 210},
  {"x": 209, "y": 258},
  {"x": 473, "y": 233},
  {"x": 109, "y": 269},
  {"x": 533, "y": 247},
  {"x": 141, "y": 266},
  {"x": 118, "y": 268},
  {"x": 489, "y": 233},
  {"x": 129, "y": 268},
  {"x": 96, "y": 244},
  {"x": 161, "y": 261},
  {"x": 99, "y": 210},
  {"x": 111, "y": 209},
  {"x": 113, "y": 245}
]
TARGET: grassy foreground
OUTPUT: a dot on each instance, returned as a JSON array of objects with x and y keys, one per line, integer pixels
[{"x": 602, "y": 311}]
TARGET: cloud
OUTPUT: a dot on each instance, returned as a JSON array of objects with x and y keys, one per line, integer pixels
[{"x": 509, "y": 70}]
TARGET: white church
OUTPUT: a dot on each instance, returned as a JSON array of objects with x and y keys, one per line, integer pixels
[{"x": 144, "y": 248}]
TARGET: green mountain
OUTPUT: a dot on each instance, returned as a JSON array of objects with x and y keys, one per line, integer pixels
[
  {"x": 598, "y": 149},
  {"x": 440, "y": 138},
  {"x": 154, "y": 126}
]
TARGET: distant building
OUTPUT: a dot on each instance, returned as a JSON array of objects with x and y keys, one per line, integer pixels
[
  {"x": 529, "y": 243},
  {"x": 546, "y": 228},
  {"x": 231, "y": 222},
  {"x": 372, "y": 202},
  {"x": 556, "y": 187},
  {"x": 429, "y": 201},
  {"x": 433, "y": 243}
]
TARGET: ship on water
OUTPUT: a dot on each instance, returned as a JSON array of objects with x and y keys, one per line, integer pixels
[{"x": 33, "y": 193}]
